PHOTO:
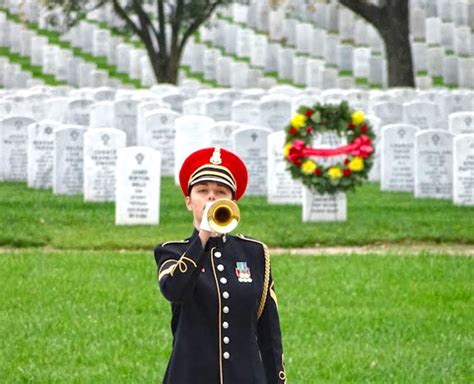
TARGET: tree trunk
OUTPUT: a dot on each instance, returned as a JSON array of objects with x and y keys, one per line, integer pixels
[
  {"x": 391, "y": 18},
  {"x": 399, "y": 59},
  {"x": 166, "y": 69},
  {"x": 394, "y": 30}
]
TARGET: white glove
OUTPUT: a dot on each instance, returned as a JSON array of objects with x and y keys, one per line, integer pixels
[{"x": 204, "y": 226}]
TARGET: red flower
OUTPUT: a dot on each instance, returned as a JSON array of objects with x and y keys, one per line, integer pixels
[
  {"x": 347, "y": 172},
  {"x": 318, "y": 172},
  {"x": 351, "y": 126},
  {"x": 293, "y": 131},
  {"x": 347, "y": 161},
  {"x": 309, "y": 112},
  {"x": 309, "y": 129},
  {"x": 363, "y": 128}
]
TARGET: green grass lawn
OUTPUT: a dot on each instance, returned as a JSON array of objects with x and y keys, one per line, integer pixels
[
  {"x": 98, "y": 317},
  {"x": 84, "y": 310},
  {"x": 39, "y": 218}
]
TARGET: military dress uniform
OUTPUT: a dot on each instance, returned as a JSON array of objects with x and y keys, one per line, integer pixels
[{"x": 225, "y": 320}]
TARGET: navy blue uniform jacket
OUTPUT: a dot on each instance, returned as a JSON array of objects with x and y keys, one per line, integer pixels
[{"x": 225, "y": 321}]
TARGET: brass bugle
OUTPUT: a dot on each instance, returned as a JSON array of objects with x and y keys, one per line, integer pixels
[{"x": 223, "y": 216}]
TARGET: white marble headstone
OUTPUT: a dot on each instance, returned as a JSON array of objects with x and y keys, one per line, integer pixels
[
  {"x": 282, "y": 188},
  {"x": 68, "y": 163},
  {"x": 35, "y": 105},
  {"x": 159, "y": 133},
  {"x": 175, "y": 100},
  {"x": 13, "y": 148},
  {"x": 100, "y": 158},
  {"x": 78, "y": 112},
  {"x": 104, "y": 94},
  {"x": 143, "y": 108},
  {"x": 466, "y": 74},
  {"x": 41, "y": 153},
  {"x": 434, "y": 164},
  {"x": 275, "y": 112},
  {"x": 220, "y": 134},
  {"x": 137, "y": 198},
  {"x": 192, "y": 133},
  {"x": 217, "y": 109},
  {"x": 125, "y": 119},
  {"x": 461, "y": 122},
  {"x": 56, "y": 109},
  {"x": 398, "y": 157},
  {"x": 245, "y": 111},
  {"x": 9, "y": 108},
  {"x": 195, "y": 106},
  {"x": 463, "y": 170},
  {"x": 457, "y": 102},
  {"x": 388, "y": 112},
  {"x": 421, "y": 114},
  {"x": 250, "y": 144},
  {"x": 102, "y": 114}
]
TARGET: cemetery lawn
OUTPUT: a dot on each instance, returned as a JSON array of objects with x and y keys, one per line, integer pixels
[
  {"x": 98, "y": 317},
  {"x": 37, "y": 218}
]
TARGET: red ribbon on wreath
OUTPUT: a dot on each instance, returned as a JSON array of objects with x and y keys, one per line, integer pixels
[{"x": 361, "y": 146}]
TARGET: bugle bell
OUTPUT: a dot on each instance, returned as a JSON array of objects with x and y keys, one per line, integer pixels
[{"x": 223, "y": 216}]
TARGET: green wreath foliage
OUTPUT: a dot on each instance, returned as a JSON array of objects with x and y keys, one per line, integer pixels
[{"x": 341, "y": 119}]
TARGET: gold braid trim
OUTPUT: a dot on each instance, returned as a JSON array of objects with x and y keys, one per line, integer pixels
[
  {"x": 180, "y": 264},
  {"x": 169, "y": 270},
  {"x": 175, "y": 242},
  {"x": 266, "y": 277}
]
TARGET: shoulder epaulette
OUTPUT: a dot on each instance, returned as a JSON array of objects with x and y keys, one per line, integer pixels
[
  {"x": 266, "y": 278},
  {"x": 175, "y": 242},
  {"x": 243, "y": 237}
]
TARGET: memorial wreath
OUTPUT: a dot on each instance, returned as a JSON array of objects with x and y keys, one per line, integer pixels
[{"x": 357, "y": 154}]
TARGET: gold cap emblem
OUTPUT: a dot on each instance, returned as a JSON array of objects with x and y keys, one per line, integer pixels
[{"x": 216, "y": 156}]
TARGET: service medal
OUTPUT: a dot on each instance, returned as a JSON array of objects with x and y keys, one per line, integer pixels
[{"x": 242, "y": 272}]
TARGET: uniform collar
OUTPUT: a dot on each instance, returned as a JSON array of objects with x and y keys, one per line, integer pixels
[{"x": 217, "y": 242}]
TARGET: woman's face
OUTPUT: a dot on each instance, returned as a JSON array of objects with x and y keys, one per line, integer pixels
[{"x": 201, "y": 194}]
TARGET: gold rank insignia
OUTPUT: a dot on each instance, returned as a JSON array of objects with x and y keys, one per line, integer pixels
[{"x": 242, "y": 272}]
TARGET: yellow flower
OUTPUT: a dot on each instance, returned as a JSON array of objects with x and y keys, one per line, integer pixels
[
  {"x": 298, "y": 121},
  {"x": 356, "y": 164},
  {"x": 286, "y": 150},
  {"x": 308, "y": 167},
  {"x": 334, "y": 173},
  {"x": 358, "y": 117}
]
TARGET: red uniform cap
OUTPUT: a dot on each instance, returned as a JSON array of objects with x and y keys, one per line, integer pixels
[{"x": 214, "y": 164}]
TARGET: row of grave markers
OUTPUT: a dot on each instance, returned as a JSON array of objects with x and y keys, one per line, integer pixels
[
  {"x": 96, "y": 162},
  {"x": 442, "y": 46},
  {"x": 151, "y": 121}
]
